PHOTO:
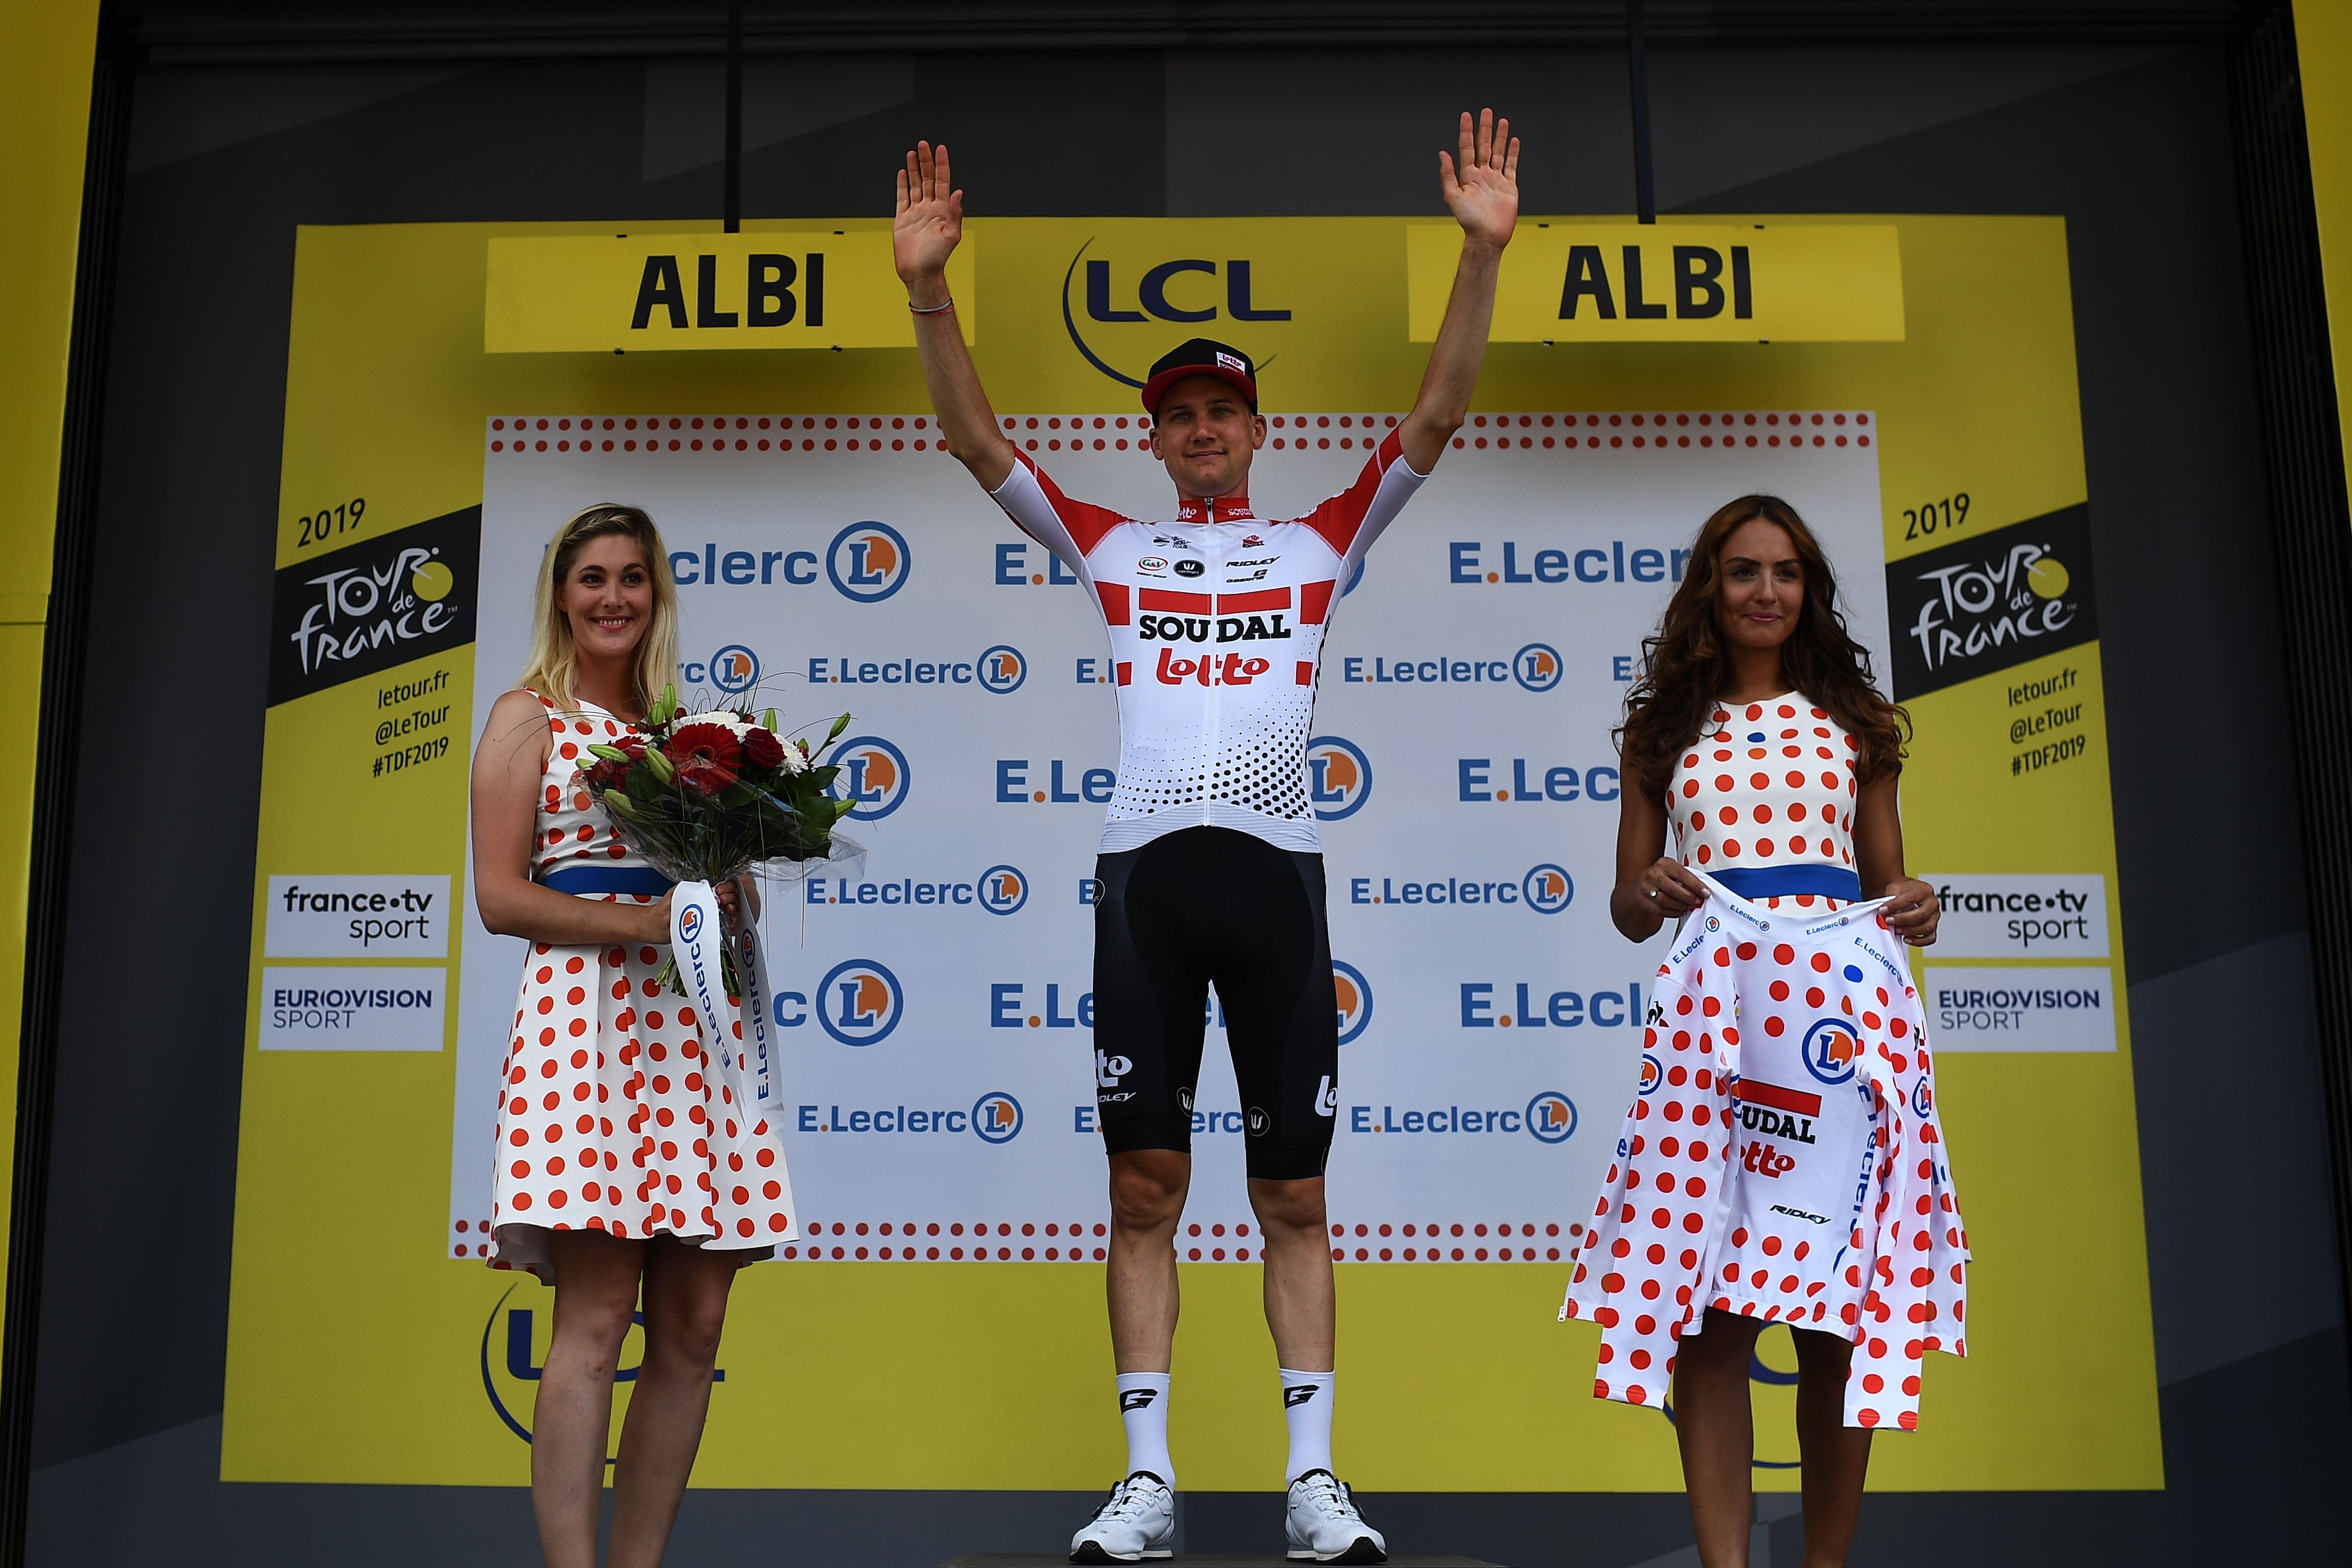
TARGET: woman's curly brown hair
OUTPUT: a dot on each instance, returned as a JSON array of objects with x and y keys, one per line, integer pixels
[{"x": 1685, "y": 668}]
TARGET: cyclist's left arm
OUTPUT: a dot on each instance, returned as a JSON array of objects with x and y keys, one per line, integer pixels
[{"x": 1485, "y": 198}]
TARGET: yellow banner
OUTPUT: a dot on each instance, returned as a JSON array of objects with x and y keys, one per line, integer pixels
[
  {"x": 1599, "y": 283},
  {"x": 782, "y": 289}
]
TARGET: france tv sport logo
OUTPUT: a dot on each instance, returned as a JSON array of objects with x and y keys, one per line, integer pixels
[
  {"x": 734, "y": 669},
  {"x": 869, "y": 561},
  {"x": 1338, "y": 777},
  {"x": 996, "y": 1117},
  {"x": 873, "y": 774},
  {"x": 1537, "y": 667},
  {"x": 1002, "y": 668},
  {"x": 1830, "y": 1049},
  {"x": 1551, "y": 1117},
  {"x": 1354, "y": 994},
  {"x": 1002, "y": 890},
  {"x": 859, "y": 1002},
  {"x": 1547, "y": 889}
]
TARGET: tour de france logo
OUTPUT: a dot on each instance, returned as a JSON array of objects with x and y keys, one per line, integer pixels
[
  {"x": 734, "y": 669},
  {"x": 859, "y": 1002},
  {"x": 996, "y": 1118},
  {"x": 1338, "y": 777},
  {"x": 873, "y": 774},
  {"x": 1547, "y": 889},
  {"x": 1537, "y": 667},
  {"x": 1830, "y": 1049},
  {"x": 1355, "y": 999},
  {"x": 869, "y": 561},
  {"x": 1002, "y": 890},
  {"x": 1551, "y": 1117},
  {"x": 1002, "y": 669}
]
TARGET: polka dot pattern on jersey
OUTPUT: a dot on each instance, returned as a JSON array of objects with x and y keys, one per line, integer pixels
[
  {"x": 1766, "y": 784},
  {"x": 610, "y": 1117}
]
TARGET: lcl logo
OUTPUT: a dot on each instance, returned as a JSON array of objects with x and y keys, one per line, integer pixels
[{"x": 1191, "y": 280}]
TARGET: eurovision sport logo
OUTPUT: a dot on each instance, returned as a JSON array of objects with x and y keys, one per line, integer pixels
[
  {"x": 869, "y": 561},
  {"x": 873, "y": 774},
  {"x": 1338, "y": 777},
  {"x": 858, "y": 1002},
  {"x": 1354, "y": 994}
]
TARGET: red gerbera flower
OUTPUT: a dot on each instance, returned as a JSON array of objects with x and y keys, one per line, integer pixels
[{"x": 706, "y": 756}]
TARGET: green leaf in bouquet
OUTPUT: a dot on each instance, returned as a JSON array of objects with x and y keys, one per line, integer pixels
[
  {"x": 737, "y": 793},
  {"x": 821, "y": 779},
  {"x": 619, "y": 804},
  {"x": 644, "y": 784},
  {"x": 659, "y": 766},
  {"x": 768, "y": 720}
]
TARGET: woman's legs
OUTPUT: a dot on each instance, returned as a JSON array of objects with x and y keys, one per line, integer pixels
[
  {"x": 596, "y": 1290},
  {"x": 1835, "y": 1455},
  {"x": 1715, "y": 1429},
  {"x": 686, "y": 1305}
]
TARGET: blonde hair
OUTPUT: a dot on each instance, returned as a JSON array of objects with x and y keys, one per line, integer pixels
[{"x": 553, "y": 662}]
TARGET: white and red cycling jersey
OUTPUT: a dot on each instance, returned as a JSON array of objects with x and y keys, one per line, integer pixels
[{"x": 1216, "y": 621}]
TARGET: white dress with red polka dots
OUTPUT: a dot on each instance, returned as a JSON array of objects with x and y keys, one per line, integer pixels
[
  {"x": 608, "y": 1116},
  {"x": 1768, "y": 783}
]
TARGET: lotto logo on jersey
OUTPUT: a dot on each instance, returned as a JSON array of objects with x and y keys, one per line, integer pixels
[
  {"x": 1002, "y": 890},
  {"x": 858, "y": 1002},
  {"x": 996, "y": 1118},
  {"x": 1355, "y": 999},
  {"x": 1338, "y": 777},
  {"x": 1830, "y": 1049},
  {"x": 869, "y": 561},
  {"x": 733, "y": 671},
  {"x": 873, "y": 774},
  {"x": 1551, "y": 1117}
]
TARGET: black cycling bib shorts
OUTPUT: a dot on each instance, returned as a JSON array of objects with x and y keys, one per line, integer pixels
[{"x": 1202, "y": 906}]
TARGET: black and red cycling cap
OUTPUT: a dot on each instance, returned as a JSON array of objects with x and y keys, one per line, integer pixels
[{"x": 1200, "y": 356}]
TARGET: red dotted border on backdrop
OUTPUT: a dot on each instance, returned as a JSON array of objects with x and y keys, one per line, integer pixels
[
  {"x": 1721, "y": 432},
  {"x": 1006, "y": 1241}
]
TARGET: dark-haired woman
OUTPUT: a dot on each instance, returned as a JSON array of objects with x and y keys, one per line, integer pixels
[
  {"x": 624, "y": 1177},
  {"x": 1756, "y": 735}
]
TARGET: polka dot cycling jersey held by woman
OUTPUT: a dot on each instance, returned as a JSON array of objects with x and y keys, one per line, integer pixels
[{"x": 611, "y": 1118}]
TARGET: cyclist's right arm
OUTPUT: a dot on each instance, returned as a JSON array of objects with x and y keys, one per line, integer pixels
[{"x": 930, "y": 223}]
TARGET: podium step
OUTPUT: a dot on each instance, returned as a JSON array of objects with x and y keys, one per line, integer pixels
[{"x": 1190, "y": 1560}]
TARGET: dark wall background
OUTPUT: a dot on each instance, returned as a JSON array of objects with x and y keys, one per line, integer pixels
[{"x": 2132, "y": 144}]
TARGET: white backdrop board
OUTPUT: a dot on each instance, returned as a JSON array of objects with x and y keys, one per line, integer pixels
[{"x": 935, "y": 1005}]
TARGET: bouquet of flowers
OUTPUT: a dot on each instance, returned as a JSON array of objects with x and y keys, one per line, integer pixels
[{"x": 708, "y": 796}]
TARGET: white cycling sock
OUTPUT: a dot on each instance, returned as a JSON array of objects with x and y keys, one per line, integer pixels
[
  {"x": 1306, "y": 1406},
  {"x": 1143, "y": 1409}
]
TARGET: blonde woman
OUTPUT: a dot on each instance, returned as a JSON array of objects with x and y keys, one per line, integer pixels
[{"x": 621, "y": 1174}]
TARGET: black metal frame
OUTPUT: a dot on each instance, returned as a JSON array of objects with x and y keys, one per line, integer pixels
[
  {"x": 2302, "y": 445},
  {"x": 2304, "y": 452},
  {"x": 58, "y": 766}
]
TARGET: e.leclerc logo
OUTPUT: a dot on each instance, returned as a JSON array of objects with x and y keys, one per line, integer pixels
[
  {"x": 689, "y": 921},
  {"x": 1547, "y": 889},
  {"x": 859, "y": 1002},
  {"x": 1002, "y": 890},
  {"x": 1338, "y": 777},
  {"x": 873, "y": 774},
  {"x": 996, "y": 1118},
  {"x": 520, "y": 1367},
  {"x": 1830, "y": 1049},
  {"x": 1537, "y": 667},
  {"x": 1653, "y": 1074},
  {"x": 1551, "y": 1117},
  {"x": 733, "y": 671},
  {"x": 869, "y": 561},
  {"x": 1002, "y": 669},
  {"x": 1355, "y": 999}
]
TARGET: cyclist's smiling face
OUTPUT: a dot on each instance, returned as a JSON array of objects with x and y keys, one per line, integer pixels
[{"x": 1206, "y": 435}]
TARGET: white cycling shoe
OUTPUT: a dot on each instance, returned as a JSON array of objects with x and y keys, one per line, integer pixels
[
  {"x": 1137, "y": 1520},
  {"x": 1323, "y": 1526}
]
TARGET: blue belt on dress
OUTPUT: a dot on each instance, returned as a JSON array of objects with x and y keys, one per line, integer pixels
[
  {"x": 642, "y": 879},
  {"x": 1791, "y": 881}
]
